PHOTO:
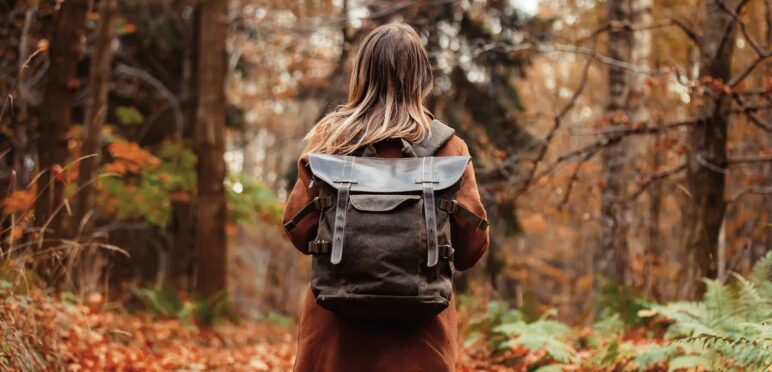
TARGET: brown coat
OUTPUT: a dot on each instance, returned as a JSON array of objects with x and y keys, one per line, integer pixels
[{"x": 327, "y": 343}]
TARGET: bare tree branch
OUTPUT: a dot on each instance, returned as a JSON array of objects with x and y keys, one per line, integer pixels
[
  {"x": 656, "y": 178},
  {"x": 694, "y": 36},
  {"x": 754, "y": 44},
  {"x": 640, "y": 128},
  {"x": 748, "y": 69},
  {"x": 179, "y": 120},
  {"x": 750, "y": 113},
  {"x": 575, "y": 177},
  {"x": 565, "y": 48},
  {"x": 729, "y": 27},
  {"x": 760, "y": 190},
  {"x": 556, "y": 125},
  {"x": 744, "y": 159}
]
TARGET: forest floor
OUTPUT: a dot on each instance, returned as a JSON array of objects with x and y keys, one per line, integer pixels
[
  {"x": 44, "y": 333},
  {"x": 41, "y": 332}
]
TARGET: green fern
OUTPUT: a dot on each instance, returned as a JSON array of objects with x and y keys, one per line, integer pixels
[
  {"x": 543, "y": 334},
  {"x": 729, "y": 328}
]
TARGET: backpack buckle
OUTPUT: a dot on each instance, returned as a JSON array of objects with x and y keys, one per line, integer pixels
[
  {"x": 446, "y": 251},
  {"x": 319, "y": 246},
  {"x": 450, "y": 206},
  {"x": 483, "y": 224}
]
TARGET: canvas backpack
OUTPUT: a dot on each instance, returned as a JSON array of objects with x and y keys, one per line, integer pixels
[{"x": 383, "y": 249}]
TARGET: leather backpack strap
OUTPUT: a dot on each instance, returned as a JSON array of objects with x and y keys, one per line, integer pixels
[
  {"x": 453, "y": 207},
  {"x": 318, "y": 204},
  {"x": 344, "y": 191},
  {"x": 438, "y": 136},
  {"x": 430, "y": 218}
]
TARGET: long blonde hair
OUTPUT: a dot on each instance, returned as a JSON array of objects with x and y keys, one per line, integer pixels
[{"x": 391, "y": 78}]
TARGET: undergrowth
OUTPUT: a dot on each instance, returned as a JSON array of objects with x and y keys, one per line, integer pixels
[{"x": 730, "y": 329}]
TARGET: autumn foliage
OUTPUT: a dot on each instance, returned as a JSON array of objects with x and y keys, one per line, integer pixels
[
  {"x": 622, "y": 149},
  {"x": 45, "y": 332}
]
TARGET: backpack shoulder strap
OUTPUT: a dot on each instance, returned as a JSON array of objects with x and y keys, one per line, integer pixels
[{"x": 439, "y": 134}]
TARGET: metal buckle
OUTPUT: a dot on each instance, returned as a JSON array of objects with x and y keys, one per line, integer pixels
[
  {"x": 483, "y": 224},
  {"x": 318, "y": 246}
]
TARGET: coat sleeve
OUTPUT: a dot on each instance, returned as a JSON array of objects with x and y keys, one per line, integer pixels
[
  {"x": 469, "y": 241},
  {"x": 301, "y": 195}
]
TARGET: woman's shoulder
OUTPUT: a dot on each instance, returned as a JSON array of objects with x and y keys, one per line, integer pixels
[{"x": 453, "y": 147}]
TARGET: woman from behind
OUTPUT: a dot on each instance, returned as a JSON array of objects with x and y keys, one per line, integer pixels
[{"x": 385, "y": 116}]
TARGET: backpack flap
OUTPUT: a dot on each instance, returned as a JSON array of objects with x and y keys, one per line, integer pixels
[
  {"x": 349, "y": 174},
  {"x": 380, "y": 175}
]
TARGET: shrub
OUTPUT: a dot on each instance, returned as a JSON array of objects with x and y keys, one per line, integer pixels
[
  {"x": 166, "y": 303},
  {"x": 730, "y": 328}
]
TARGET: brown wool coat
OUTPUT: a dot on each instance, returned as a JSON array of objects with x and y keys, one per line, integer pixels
[{"x": 327, "y": 343}]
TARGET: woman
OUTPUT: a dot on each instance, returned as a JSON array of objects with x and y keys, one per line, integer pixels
[{"x": 385, "y": 113}]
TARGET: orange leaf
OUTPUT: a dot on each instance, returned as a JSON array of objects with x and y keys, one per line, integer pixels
[{"x": 18, "y": 201}]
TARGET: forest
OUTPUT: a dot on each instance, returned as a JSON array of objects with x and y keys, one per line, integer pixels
[{"x": 623, "y": 150}]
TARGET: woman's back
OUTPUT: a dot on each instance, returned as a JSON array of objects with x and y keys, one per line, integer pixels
[
  {"x": 328, "y": 343},
  {"x": 384, "y": 117}
]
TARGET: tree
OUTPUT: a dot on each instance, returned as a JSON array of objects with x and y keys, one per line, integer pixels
[
  {"x": 210, "y": 244},
  {"x": 55, "y": 119},
  {"x": 707, "y": 157},
  {"x": 181, "y": 269},
  {"x": 613, "y": 259},
  {"x": 96, "y": 110}
]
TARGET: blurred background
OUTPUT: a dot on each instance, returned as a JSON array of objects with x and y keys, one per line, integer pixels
[{"x": 622, "y": 147}]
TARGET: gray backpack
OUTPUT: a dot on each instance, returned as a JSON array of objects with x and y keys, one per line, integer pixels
[{"x": 383, "y": 249}]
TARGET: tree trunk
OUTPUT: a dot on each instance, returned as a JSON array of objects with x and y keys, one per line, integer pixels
[
  {"x": 757, "y": 252},
  {"x": 96, "y": 112},
  {"x": 183, "y": 212},
  {"x": 704, "y": 213},
  {"x": 768, "y": 167},
  {"x": 641, "y": 55},
  {"x": 55, "y": 119},
  {"x": 210, "y": 245},
  {"x": 613, "y": 258}
]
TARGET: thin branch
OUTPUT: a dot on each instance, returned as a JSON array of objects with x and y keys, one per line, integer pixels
[
  {"x": 668, "y": 22},
  {"x": 753, "y": 108},
  {"x": 710, "y": 165},
  {"x": 762, "y": 54},
  {"x": 337, "y": 21},
  {"x": 611, "y": 136},
  {"x": 565, "y": 48},
  {"x": 723, "y": 169},
  {"x": 179, "y": 120},
  {"x": 557, "y": 121},
  {"x": 591, "y": 148},
  {"x": 640, "y": 128},
  {"x": 694, "y": 36},
  {"x": 754, "y": 44},
  {"x": 744, "y": 159},
  {"x": 655, "y": 178},
  {"x": 750, "y": 113},
  {"x": 575, "y": 177},
  {"x": 728, "y": 30},
  {"x": 759, "y": 190},
  {"x": 748, "y": 69}
]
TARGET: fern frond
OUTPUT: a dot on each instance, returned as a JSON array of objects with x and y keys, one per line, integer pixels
[
  {"x": 762, "y": 270},
  {"x": 745, "y": 352}
]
